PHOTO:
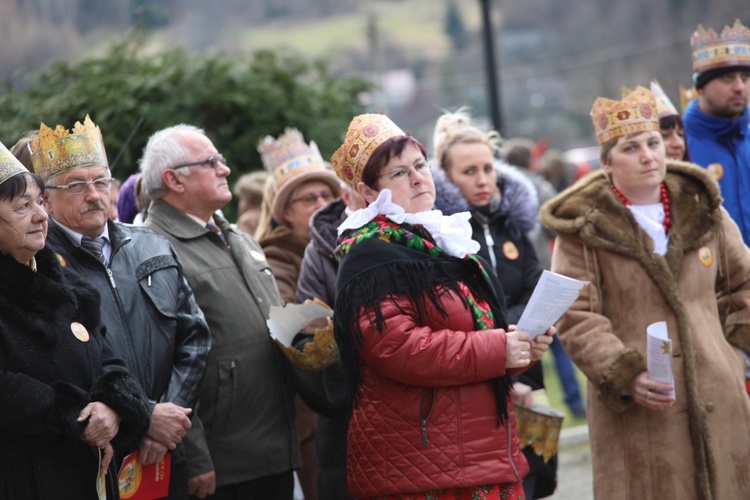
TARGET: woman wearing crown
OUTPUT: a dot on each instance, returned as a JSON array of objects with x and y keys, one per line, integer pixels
[
  {"x": 420, "y": 324},
  {"x": 650, "y": 236}
]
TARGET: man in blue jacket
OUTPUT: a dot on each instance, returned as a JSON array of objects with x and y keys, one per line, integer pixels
[{"x": 717, "y": 123}]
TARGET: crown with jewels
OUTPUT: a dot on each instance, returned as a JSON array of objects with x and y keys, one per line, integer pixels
[
  {"x": 712, "y": 51},
  {"x": 9, "y": 165},
  {"x": 636, "y": 112},
  {"x": 366, "y": 132},
  {"x": 289, "y": 155},
  {"x": 56, "y": 151}
]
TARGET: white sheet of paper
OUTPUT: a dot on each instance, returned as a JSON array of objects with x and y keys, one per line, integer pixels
[
  {"x": 553, "y": 295},
  {"x": 659, "y": 354},
  {"x": 287, "y": 321}
]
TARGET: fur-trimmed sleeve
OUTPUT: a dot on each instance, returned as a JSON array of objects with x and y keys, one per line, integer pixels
[
  {"x": 119, "y": 390},
  {"x": 587, "y": 334}
]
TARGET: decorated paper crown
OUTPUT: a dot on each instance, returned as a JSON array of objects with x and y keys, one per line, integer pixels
[
  {"x": 288, "y": 153},
  {"x": 292, "y": 162},
  {"x": 9, "y": 165},
  {"x": 636, "y": 112},
  {"x": 686, "y": 96},
  {"x": 712, "y": 51},
  {"x": 365, "y": 134},
  {"x": 664, "y": 106},
  {"x": 56, "y": 151}
]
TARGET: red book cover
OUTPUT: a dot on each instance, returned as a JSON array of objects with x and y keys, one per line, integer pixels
[{"x": 144, "y": 482}]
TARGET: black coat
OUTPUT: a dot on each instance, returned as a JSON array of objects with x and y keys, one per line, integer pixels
[{"x": 48, "y": 375}]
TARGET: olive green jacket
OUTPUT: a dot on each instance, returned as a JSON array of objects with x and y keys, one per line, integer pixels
[{"x": 245, "y": 424}]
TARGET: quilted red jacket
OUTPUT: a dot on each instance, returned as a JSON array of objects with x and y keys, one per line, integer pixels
[{"x": 427, "y": 416}]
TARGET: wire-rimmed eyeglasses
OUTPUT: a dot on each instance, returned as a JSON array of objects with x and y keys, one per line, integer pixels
[{"x": 102, "y": 185}]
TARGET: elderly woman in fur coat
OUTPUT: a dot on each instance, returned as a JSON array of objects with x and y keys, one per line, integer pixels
[
  {"x": 651, "y": 237},
  {"x": 65, "y": 401}
]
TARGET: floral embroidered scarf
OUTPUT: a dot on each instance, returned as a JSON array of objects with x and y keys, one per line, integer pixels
[{"x": 383, "y": 260}]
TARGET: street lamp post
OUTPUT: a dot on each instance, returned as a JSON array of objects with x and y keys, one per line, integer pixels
[{"x": 491, "y": 67}]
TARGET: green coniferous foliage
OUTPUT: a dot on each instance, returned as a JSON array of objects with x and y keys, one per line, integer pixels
[{"x": 237, "y": 99}]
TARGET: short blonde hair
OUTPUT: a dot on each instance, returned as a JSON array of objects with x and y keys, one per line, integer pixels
[{"x": 455, "y": 128}]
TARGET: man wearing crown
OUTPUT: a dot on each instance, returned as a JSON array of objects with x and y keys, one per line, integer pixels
[
  {"x": 244, "y": 442},
  {"x": 152, "y": 320},
  {"x": 717, "y": 123}
]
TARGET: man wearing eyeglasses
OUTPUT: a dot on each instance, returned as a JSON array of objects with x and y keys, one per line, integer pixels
[
  {"x": 152, "y": 320},
  {"x": 243, "y": 443}
]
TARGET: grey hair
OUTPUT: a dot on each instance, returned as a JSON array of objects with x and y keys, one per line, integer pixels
[{"x": 164, "y": 150}]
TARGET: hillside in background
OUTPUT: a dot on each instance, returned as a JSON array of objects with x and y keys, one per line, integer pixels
[{"x": 555, "y": 56}]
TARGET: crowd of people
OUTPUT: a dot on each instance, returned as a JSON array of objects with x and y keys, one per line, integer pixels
[{"x": 133, "y": 317}]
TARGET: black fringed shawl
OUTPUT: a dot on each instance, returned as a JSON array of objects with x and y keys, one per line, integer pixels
[{"x": 383, "y": 260}]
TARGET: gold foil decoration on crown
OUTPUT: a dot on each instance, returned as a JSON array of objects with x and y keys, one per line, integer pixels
[
  {"x": 729, "y": 48},
  {"x": 289, "y": 155},
  {"x": 58, "y": 150},
  {"x": 366, "y": 132},
  {"x": 636, "y": 112},
  {"x": 9, "y": 165}
]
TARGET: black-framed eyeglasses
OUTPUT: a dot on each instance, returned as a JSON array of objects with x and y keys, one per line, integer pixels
[
  {"x": 102, "y": 185},
  {"x": 212, "y": 161}
]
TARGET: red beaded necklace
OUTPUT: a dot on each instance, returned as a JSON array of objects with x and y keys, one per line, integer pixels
[{"x": 664, "y": 201}]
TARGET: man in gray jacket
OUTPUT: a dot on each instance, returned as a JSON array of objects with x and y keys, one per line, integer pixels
[
  {"x": 243, "y": 443},
  {"x": 151, "y": 317}
]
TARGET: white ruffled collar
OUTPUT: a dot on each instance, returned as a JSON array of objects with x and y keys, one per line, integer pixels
[{"x": 451, "y": 233}]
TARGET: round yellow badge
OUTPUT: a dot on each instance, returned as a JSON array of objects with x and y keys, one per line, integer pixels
[
  {"x": 510, "y": 250},
  {"x": 715, "y": 170},
  {"x": 61, "y": 260},
  {"x": 705, "y": 256},
  {"x": 79, "y": 331},
  {"x": 130, "y": 478}
]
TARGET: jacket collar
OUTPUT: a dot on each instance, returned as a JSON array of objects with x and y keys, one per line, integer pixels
[
  {"x": 704, "y": 124},
  {"x": 590, "y": 210},
  {"x": 178, "y": 223}
]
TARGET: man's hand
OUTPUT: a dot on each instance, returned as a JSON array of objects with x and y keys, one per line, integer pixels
[
  {"x": 169, "y": 424},
  {"x": 203, "y": 485},
  {"x": 151, "y": 452},
  {"x": 103, "y": 424}
]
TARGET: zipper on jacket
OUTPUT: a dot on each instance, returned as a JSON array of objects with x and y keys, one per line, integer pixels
[
  {"x": 510, "y": 451},
  {"x": 490, "y": 245},
  {"x": 111, "y": 278},
  {"x": 423, "y": 420}
]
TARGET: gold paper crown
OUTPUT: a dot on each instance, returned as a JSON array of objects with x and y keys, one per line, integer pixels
[
  {"x": 636, "y": 112},
  {"x": 664, "y": 106},
  {"x": 288, "y": 155},
  {"x": 56, "y": 151},
  {"x": 365, "y": 134},
  {"x": 9, "y": 165},
  {"x": 686, "y": 96},
  {"x": 712, "y": 51}
]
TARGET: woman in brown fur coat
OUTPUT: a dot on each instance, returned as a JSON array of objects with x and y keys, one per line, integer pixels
[{"x": 655, "y": 244}]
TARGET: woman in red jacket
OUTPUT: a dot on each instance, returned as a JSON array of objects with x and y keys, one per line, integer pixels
[{"x": 421, "y": 328}]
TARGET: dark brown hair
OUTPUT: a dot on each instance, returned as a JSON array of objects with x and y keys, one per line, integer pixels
[{"x": 379, "y": 158}]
